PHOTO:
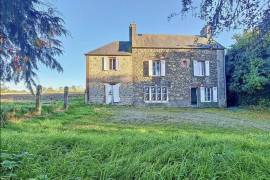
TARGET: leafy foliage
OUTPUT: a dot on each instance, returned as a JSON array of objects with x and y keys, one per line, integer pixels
[
  {"x": 9, "y": 164},
  {"x": 29, "y": 37},
  {"x": 248, "y": 67},
  {"x": 227, "y": 14}
]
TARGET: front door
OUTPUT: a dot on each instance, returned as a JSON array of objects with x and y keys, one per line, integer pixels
[
  {"x": 112, "y": 93},
  {"x": 194, "y": 96},
  {"x": 108, "y": 94}
]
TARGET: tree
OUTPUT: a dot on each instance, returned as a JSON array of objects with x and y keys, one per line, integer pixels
[
  {"x": 227, "y": 14},
  {"x": 29, "y": 37},
  {"x": 248, "y": 68}
]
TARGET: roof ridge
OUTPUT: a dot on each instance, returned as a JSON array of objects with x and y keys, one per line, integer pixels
[{"x": 183, "y": 35}]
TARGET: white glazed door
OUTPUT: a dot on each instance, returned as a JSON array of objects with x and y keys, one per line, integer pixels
[{"x": 108, "y": 94}]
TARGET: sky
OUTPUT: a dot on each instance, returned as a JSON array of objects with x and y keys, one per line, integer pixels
[{"x": 93, "y": 23}]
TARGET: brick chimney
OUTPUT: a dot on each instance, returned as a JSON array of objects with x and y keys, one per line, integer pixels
[{"x": 132, "y": 33}]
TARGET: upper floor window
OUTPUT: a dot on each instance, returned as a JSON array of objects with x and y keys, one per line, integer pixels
[
  {"x": 201, "y": 68},
  {"x": 112, "y": 61},
  {"x": 156, "y": 68}
]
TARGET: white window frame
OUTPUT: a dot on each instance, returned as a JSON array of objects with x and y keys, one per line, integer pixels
[
  {"x": 112, "y": 63},
  {"x": 156, "y": 94},
  {"x": 156, "y": 66},
  {"x": 208, "y": 94},
  {"x": 201, "y": 68}
]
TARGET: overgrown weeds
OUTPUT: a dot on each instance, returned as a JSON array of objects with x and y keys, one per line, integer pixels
[{"x": 88, "y": 142}]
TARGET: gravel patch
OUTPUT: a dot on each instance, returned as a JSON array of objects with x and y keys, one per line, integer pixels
[{"x": 145, "y": 115}]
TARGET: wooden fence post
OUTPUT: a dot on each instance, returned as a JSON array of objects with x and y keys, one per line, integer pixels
[
  {"x": 66, "y": 98},
  {"x": 38, "y": 99}
]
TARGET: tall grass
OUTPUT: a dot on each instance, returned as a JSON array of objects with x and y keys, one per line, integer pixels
[{"x": 84, "y": 143}]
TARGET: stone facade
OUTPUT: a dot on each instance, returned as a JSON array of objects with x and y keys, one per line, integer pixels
[
  {"x": 179, "y": 77},
  {"x": 97, "y": 77}
]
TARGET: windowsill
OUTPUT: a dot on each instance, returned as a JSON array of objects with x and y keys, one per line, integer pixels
[
  {"x": 157, "y": 102},
  {"x": 209, "y": 102}
]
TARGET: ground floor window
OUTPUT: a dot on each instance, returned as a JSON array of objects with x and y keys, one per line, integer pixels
[
  {"x": 155, "y": 94},
  {"x": 208, "y": 94}
]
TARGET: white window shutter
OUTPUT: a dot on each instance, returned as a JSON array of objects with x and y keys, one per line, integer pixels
[
  {"x": 202, "y": 94},
  {"x": 163, "y": 68},
  {"x": 150, "y": 68},
  {"x": 195, "y": 68},
  {"x": 215, "y": 95},
  {"x": 105, "y": 61},
  {"x": 117, "y": 64},
  {"x": 207, "y": 68},
  {"x": 107, "y": 92},
  {"x": 116, "y": 94}
]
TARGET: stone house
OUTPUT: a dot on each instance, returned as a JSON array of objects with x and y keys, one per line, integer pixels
[{"x": 169, "y": 70}]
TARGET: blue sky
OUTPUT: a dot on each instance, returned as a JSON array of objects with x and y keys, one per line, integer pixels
[{"x": 93, "y": 23}]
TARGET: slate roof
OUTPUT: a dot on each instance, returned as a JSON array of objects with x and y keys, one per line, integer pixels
[
  {"x": 114, "y": 48},
  {"x": 156, "y": 41},
  {"x": 174, "y": 41}
]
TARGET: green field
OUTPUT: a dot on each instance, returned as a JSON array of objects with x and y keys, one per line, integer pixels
[{"x": 105, "y": 142}]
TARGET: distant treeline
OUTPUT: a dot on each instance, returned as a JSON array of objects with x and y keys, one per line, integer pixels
[{"x": 72, "y": 89}]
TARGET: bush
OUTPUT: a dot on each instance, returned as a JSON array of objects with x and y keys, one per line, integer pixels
[{"x": 264, "y": 103}]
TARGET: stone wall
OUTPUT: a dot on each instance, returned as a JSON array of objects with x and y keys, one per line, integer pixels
[
  {"x": 221, "y": 79},
  {"x": 97, "y": 77},
  {"x": 179, "y": 78}
]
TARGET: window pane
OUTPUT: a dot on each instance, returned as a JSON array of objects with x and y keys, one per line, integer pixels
[
  {"x": 164, "y": 93},
  {"x": 207, "y": 94},
  {"x": 114, "y": 64},
  {"x": 158, "y": 93},
  {"x": 153, "y": 93},
  {"x": 164, "y": 89},
  {"x": 110, "y": 64},
  {"x": 203, "y": 68},
  {"x": 146, "y": 93},
  {"x": 158, "y": 68}
]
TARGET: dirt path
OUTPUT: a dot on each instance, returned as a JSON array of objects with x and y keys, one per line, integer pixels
[{"x": 194, "y": 116}]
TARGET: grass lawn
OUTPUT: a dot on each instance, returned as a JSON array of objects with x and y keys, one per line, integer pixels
[{"x": 105, "y": 142}]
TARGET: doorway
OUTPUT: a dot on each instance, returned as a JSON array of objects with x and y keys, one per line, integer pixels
[
  {"x": 194, "y": 98},
  {"x": 112, "y": 93}
]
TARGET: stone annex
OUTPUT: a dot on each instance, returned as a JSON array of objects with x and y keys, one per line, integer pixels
[{"x": 168, "y": 70}]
